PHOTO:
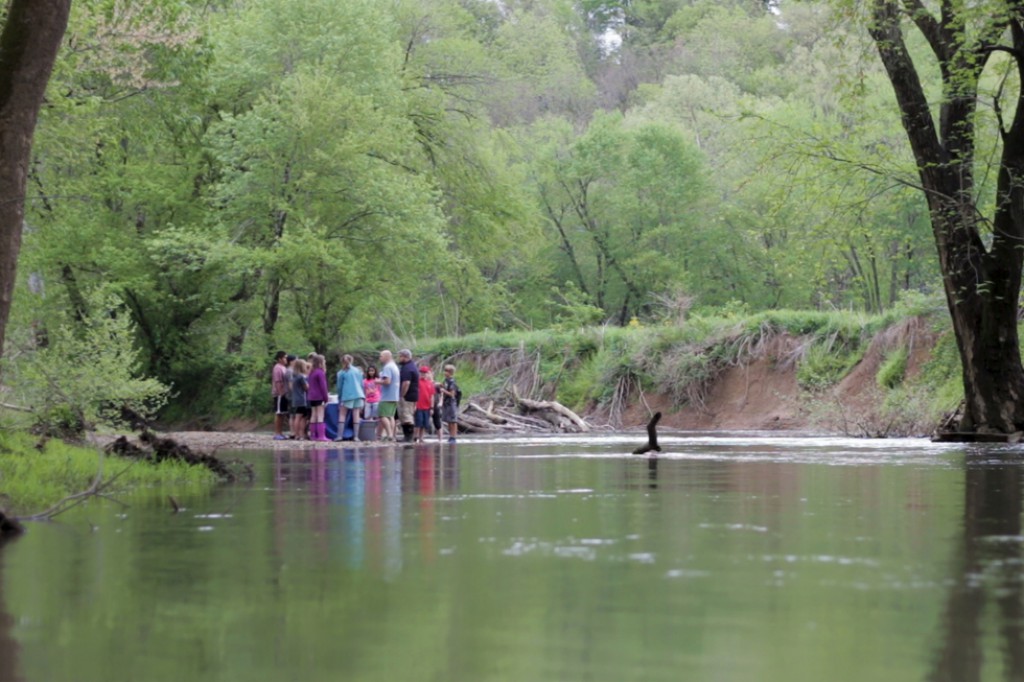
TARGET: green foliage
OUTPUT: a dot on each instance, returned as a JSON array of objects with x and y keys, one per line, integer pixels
[
  {"x": 893, "y": 368},
  {"x": 825, "y": 364},
  {"x": 322, "y": 175},
  {"x": 87, "y": 375},
  {"x": 31, "y": 480},
  {"x": 942, "y": 372}
]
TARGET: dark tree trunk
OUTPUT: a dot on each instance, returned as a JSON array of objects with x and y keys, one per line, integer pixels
[
  {"x": 982, "y": 282},
  {"x": 31, "y": 37}
]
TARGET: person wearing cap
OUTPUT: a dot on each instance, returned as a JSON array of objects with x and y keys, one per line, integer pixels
[
  {"x": 279, "y": 392},
  {"x": 409, "y": 392},
  {"x": 424, "y": 405}
]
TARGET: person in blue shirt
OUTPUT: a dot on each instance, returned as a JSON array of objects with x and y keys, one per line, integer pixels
[{"x": 350, "y": 396}]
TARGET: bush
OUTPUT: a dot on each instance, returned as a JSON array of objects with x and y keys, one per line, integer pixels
[
  {"x": 87, "y": 375},
  {"x": 824, "y": 366}
]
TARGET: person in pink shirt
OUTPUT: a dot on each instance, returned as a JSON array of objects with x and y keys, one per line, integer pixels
[
  {"x": 317, "y": 397},
  {"x": 372, "y": 391}
]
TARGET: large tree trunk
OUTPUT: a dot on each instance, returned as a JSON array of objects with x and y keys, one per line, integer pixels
[
  {"x": 982, "y": 281},
  {"x": 31, "y": 37}
]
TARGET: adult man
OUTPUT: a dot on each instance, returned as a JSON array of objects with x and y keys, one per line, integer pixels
[
  {"x": 389, "y": 395},
  {"x": 279, "y": 391},
  {"x": 409, "y": 376}
]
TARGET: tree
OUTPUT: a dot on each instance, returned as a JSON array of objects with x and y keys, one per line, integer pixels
[
  {"x": 31, "y": 35},
  {"x": 979, "y": 245}
]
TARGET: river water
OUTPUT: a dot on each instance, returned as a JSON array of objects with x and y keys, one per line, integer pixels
[{"x": 726, "y": 558}]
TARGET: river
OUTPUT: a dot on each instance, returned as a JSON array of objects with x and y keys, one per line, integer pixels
[{"x": 726, "y": 558}]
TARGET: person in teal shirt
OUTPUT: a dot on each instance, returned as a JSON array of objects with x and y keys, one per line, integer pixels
[{"x": 350, "y": 396}]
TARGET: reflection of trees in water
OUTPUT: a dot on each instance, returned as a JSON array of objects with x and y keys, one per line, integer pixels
[
  {"x": 8, "y": 646},
  {"x": 988, "y": 572}
]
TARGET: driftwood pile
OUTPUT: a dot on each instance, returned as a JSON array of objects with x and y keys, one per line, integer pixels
[{"x": 521, "y": 415}]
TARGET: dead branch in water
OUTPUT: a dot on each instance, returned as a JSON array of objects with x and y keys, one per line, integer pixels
[{"x": 652, "y": 436}]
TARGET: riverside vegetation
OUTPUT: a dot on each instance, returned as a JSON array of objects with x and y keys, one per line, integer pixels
[
  {"x": 671, "y": 188},
  {"x": 599, "y": 371},
  {"x": 606, "y": 372}
]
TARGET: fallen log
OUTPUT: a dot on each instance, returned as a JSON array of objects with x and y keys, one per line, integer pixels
[
  {"x": 526, "y": 420},
  {"x": 497, "y": 419},
  {"x": 556, "y": 407},
  {"x": 474, "y": 425}
]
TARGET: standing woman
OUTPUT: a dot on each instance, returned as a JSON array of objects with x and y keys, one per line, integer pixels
[
  {"x": 317, "y": 397},
  {"x": 350, "y": 396}
]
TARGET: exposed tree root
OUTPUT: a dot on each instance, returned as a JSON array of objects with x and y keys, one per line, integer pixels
[{"x": 158, "y": 449}]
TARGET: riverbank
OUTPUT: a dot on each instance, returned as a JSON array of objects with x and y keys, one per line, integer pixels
[
  {"x": 33, "y": 477},
  {"x": 214, "y": 442}
]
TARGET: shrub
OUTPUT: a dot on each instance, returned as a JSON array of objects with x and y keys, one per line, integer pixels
[
  {"x": 893, "y": 368},
  {"x": 87, "y": 375}
]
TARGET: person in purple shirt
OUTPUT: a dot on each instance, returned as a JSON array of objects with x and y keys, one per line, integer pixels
[{"x": 317, "y": 397}]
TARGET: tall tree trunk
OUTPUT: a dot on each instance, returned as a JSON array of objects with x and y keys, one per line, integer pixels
[
  {"x": 982, "y": 283},
  {"x": 28, "y": 48}
]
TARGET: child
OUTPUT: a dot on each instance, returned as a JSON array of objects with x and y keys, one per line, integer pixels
[
  {"x": 298, "y": 398},
  {"x": 424, "y": 403},
  {"x": 317, "y": 397},
  {"x": 450, "y": 405},
  {"x": 372, "y": 391}
]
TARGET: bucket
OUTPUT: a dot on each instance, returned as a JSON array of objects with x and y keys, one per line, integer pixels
[{"x": 368, "y": 429}]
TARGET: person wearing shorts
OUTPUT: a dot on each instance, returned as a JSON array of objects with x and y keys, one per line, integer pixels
[
  {"x": 424, "y": 405},
  {"x": 409, "y": 379},
  {"x": 279, "y": 390},
  {"x": 389, "y": 392},
  {"x": 351, "y": 398},
  {"x": 450, "y": 404},
  {"x": 299, "y": 404}
]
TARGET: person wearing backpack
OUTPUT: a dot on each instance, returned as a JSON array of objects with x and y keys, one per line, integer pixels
[{"x": 450, "y": 404}]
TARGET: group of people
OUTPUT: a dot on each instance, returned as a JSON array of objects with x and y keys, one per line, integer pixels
[{"x": 398, "y": 395}]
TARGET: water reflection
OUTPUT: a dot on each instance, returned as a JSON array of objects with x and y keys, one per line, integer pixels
[
  {"x": 987, "y": 573},
  {"x": 354, "y": 500},
  {"x": 8, "y": 645}
]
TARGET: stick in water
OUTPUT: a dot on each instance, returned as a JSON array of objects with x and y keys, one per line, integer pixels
[{"x": 652, "y": 436}]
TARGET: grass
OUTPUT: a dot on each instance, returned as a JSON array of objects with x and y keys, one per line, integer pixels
[{"x": 31, "y": 480}]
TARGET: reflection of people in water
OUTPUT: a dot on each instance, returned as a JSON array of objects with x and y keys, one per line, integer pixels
[
  {"x": 991, "y": 548},
  {"x": 425, "y": 484}
]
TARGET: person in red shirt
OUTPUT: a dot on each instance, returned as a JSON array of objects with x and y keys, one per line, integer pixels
[{"x": 424, "y": 404}]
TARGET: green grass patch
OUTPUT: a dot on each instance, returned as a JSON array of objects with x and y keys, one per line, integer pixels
[
  {"x": 893, "y": 368},
  {"x": 31, "y": 480}
]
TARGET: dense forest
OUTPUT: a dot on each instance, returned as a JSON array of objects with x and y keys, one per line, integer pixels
[{"x": 215, "y": 179}]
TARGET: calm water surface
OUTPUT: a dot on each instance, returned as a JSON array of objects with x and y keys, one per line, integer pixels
[{"x": 726, "y": 558}]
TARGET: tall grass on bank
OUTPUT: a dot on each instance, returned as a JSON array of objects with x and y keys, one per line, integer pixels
[
  {"x": 608, "y": 367},
  {"x": 31, "y": 480}
]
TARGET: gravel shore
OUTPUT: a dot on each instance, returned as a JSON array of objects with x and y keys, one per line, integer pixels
[{"x": 210, "y": 441}]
